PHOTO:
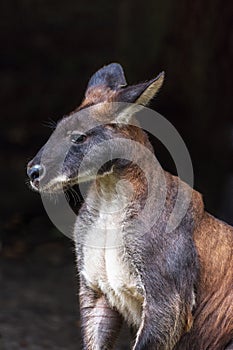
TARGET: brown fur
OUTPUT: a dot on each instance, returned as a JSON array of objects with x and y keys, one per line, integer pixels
[
  {"x": 211, "y": 325},
  {"x": 213, "y": 316},
  {"x": 150, "y": 279}
]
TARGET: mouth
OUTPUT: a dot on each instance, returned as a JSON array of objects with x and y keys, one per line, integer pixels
[
  {"x": 56, "y": 185},
  {"x": 60, "y": 184},
  {"x": 63, "y": 183}
]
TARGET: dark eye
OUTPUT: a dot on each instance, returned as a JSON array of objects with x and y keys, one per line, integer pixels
[{"x": 78, "y": 138}]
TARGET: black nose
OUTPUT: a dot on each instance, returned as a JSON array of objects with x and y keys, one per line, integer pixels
[{"x": 36, "y": 172}]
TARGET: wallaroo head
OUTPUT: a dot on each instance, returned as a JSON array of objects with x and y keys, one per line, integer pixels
[{"x": 73, "y": 153}]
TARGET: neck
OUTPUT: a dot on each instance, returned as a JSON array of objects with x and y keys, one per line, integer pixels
[{"x": 124, "y": 185}]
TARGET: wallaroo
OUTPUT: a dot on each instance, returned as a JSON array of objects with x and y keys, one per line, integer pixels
[{"x": 172, "y": 287}]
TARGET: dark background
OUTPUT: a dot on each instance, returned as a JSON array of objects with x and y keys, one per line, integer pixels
[{"x": 49, "y": 49}]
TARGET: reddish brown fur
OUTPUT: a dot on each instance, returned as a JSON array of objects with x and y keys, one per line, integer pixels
[
  {"x": 213, "y": 316},
  {"x": 211, "y": 326}
]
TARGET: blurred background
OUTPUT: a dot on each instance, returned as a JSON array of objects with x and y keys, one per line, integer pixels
[{"x": 49, "y": 49}]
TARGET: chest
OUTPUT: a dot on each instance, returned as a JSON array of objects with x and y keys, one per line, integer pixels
[{"x": 107, "y": 269}]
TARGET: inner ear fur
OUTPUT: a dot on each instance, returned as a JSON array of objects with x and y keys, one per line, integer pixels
[{"x": 142, "y": 93}]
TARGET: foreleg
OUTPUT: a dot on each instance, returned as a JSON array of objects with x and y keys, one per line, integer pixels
[{"x": 100, "y": 323}]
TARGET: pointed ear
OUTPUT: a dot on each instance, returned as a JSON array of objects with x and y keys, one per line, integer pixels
[
  {"x": 110, "y": 76},
  {"x": 141, "y": 93}
]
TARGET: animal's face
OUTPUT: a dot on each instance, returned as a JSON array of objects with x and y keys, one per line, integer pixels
[
  {"x": 59, "y": 163},
  {"x": 87, "y": 138}
]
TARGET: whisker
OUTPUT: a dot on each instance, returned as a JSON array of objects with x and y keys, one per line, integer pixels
[
  {"x": 50, "y": 124},
  {"x": 67, "y": 196}
]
